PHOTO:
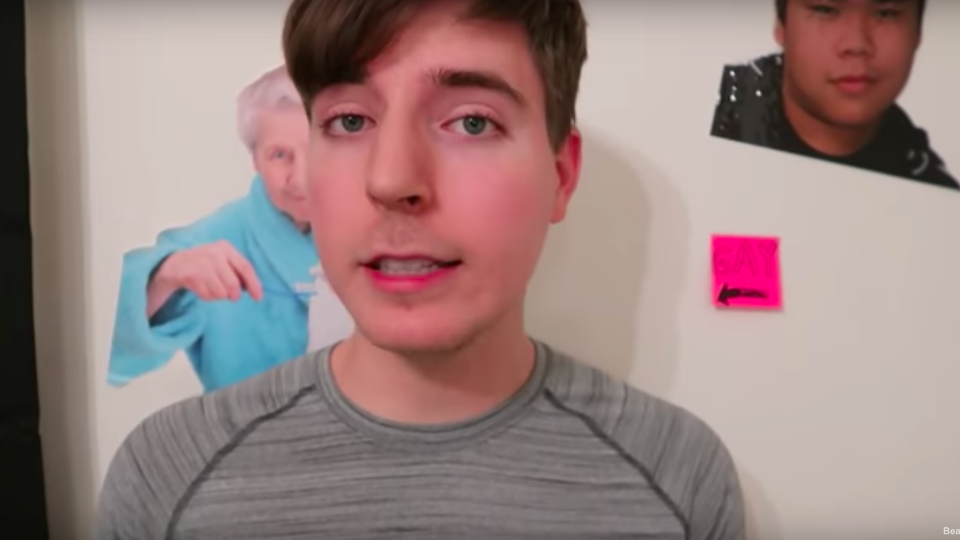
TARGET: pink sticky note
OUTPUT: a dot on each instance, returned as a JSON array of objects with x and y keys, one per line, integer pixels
[{"x": 746, "y": 272}]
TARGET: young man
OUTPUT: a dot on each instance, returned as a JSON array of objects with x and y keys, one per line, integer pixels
[
  {"x": 443, "y": 149},
  {"x": 225, "y": 287},
  {"x": 832, "y": 93}
]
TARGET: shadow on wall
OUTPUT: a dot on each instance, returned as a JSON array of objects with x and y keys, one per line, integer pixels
[
  {"x": 608, "y": 286},
  {"x": 762, "y": 522},
  {"x": 665, "y": 246},
  {"x": 59, "y": 266},
  {"x": 585, "y": 298}
]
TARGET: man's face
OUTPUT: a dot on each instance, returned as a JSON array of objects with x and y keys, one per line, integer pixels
[
  {"x": 846, "y": 61},
  {"x": 440, "y": 156},
  {"x": 280, "y": 157}
]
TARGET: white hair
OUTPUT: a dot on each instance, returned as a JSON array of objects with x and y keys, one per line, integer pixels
[{"x": 272, "y": 91}]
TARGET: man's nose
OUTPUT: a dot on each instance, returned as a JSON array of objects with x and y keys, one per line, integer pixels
[
  {"x": 856, "y": 33},
  {"x": 399, "y": 176}
]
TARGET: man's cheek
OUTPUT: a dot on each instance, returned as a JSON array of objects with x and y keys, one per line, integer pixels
[
  {"x": 512, "y": 234},
  {"x": 319, "y": 193}
]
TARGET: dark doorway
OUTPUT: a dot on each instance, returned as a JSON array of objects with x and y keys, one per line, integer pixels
[{"x": 22, "y": 506}]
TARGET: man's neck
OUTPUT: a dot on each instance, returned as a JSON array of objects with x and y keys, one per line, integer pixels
[
  {"x": 832, "y": 140},
  {"x": 438, "y": 390}
]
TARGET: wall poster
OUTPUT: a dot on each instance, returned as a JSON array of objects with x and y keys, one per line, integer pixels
[
  {"x": 238, "y": 290},
  {"x": 831, "y": 91}
]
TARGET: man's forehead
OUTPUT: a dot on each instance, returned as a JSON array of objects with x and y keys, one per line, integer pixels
[
  {"x": 441, "y": 48},
  {"x": 495, "y": 71},
  {"x": 459, "y": 78}
]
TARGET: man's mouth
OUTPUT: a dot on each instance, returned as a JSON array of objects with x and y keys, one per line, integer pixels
[
  {"x": 854, "y": 84},
  {"x": 409, "y": 266}
]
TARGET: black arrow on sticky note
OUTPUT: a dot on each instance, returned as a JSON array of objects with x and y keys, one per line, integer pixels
[{"x": 726, "y": 293}]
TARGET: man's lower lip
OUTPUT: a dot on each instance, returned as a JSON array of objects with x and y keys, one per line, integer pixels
[
  {"x": 408, "y": 282},
  {"x": 854, "y": 86}
]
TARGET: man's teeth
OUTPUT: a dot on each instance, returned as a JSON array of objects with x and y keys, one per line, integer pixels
[{"x": 407, "y": 266}]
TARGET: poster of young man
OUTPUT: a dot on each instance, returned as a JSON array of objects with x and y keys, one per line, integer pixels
[{"x": 832, "y": 91}]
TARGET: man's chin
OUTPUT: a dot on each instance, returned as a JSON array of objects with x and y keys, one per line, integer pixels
[
  {"x": 409, "y": 340},
  {"x": 854, "y": 117}
]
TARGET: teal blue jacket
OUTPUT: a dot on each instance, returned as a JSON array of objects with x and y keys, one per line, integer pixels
[{"x": 225, "y": 341}]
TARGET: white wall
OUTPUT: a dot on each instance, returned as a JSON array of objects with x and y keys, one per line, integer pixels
[{"x": 841, "y": 411}]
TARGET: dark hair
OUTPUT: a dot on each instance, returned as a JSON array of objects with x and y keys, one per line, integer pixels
[
  {"x": 327, "y": 42},
  {"x": 782, "y": 10}
]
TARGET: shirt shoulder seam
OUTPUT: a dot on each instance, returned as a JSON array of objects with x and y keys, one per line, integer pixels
[
  {"x": 225, "y": 450},
  {"x": 629, "y": 458}
]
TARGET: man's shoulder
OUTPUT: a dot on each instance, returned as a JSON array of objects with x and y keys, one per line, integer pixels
[
  {"x": 922, "y": 162},
  {"x": 748, "y": 101},
  {"x": 212, "y": 420},
  {"x": 174, "y": 448},
  {"x": 680, "y": 456},
  {"x": 623, "y": 412},
  {"x": 674, "y": 448}
]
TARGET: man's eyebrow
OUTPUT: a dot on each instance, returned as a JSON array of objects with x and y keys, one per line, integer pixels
[{"x": 458, "y": 78}]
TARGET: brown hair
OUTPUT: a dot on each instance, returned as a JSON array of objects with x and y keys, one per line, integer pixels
[{"x": 327, "y": 42}]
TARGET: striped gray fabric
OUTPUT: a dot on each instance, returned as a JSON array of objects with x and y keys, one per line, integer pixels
[{"x": 574, "y": 455}]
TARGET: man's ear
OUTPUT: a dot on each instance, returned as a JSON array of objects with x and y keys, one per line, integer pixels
[
  {"x": 778, "y": 32},
  {"x": 568, "y": 171}
]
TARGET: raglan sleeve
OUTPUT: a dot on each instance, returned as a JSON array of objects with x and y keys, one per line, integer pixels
[
  {"x": 141, "y": 488},
  {"x": 716, "y": 508}
]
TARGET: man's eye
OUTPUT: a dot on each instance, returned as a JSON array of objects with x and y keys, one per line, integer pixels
[
  {"x": 473, "y": 125},
  {"x": 347, "y": 123},
  {"x": 823, "y": 9}
]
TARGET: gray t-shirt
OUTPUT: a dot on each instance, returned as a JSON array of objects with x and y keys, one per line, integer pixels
[{"x": 573, "y": 455}]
